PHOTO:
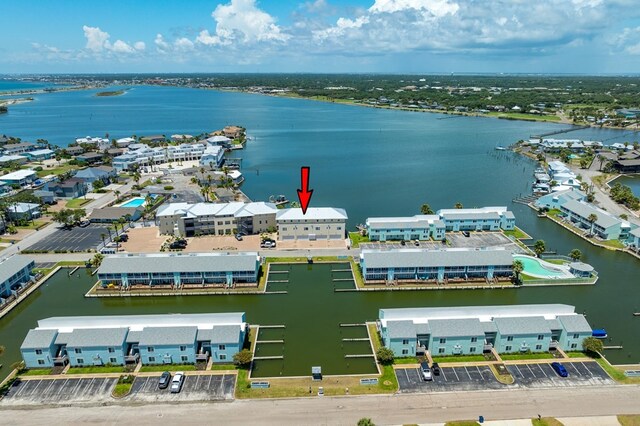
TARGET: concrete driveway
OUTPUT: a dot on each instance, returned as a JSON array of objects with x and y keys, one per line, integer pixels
[
  {"x": 195, "y": 388},
  {"x": 59, "y": 391}
]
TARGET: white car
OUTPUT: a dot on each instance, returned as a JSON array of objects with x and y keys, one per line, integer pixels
[
  {"x": 176, "y": 382},
  {"x": 426, "y": 372}
]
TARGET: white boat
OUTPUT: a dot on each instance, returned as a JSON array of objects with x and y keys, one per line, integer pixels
[{"x": 500, "y": 148}]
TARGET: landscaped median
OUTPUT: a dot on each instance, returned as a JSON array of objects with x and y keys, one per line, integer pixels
[{"x": 123, "y": 387}]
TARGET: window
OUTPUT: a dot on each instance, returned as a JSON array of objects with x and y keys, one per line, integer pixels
[
  {"x": 509, "y": 338},
  {"x": 184, "y": 358},
  {"x": 574, "y": 345},
  {"x": 540, "y": 337},
  {"x": 474, "y": 339},
  {"x": 152, "y": 359},
  {"x": 80, "y": 361},
  {"x": 149, "y": 348},
  {"x": 405, "y": 352},
  {"x": 538, "y": 347},
  {"x": 41, "y": 362},
  {"x": 78, "y": 350},
  {"x": 440, "y": 350},
  {"x": 38, "y": 351},
  {"x": 222, "y": 347},
  {"x": 306, "y": 228},
  {"x": 443, "y": 341},
  {"x": 183, "y": 348},
  {"x": 112, "y": 350},
  {"x": 405, "y": 342},
  {"x": 575, "y": 336},
  {"x": 507, "y": 348},
  {"x": 472, "y": 349},
  {"x": 113, "y": 360},
  {"x": 223, "y": 357},
  {"x": 317, "y": 228}
]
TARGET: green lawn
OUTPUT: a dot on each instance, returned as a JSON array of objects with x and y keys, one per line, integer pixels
[
  {"x": 36, "y": 224},
  {"x": 388, "y": 382},
  {"x": 458, "y": 358},
  {"x": 76, "y": 203},
  {"x": 36, "y": 372},
  {"x": 612, "y": 243},
  {"x": 517, "y": 233},
  {"x": 554, "y": 213},
  {"x": 577, "y": 355},
  {"x": 96, "y": 370},
  {"x": 462, "y": 423},
  {"x": 546, "y": 421},
  {"x": 223, "y": 367},
  {"x": 167, "y": 367},
  {"x": 514, "y": 357},
  {"x": 629, "y": 420},
  {"x": 407, "y": 360},
  {"x": 63, "y": 168},
  {"x": 616, "y": 373},
  {"x": 357, "y": 238}
]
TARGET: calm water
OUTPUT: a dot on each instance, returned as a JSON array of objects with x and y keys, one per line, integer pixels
[
  {"x": 11, "y": 85},
  {"x": 371, "y": 162},
  {"x": 632, "y": 181}
]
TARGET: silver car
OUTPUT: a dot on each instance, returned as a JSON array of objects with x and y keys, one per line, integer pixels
[{"x": 176, "y": 382}]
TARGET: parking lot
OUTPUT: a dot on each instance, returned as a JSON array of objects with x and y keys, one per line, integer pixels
[
  {"x": 450, "y": 379},
  {"x": 542, "y": 375},
  {"x": 59, "y": 391},
  {"x": 530, "y": 375},
  {"x": 195, "y": 388},
  {"x": 75, "y": 239}
]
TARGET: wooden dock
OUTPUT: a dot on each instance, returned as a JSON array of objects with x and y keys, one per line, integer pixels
[
  {"x": 273, "y": 326},
  {"x": 359, "y": 356},
  {"x": 258, "y": 358},
  {"x": 269, "y": 341}
]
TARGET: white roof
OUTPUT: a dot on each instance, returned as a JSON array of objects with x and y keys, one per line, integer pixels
[
  {"x": 236, "y": 208},
  {"x": 18, "y": 174},
  {"x": 7, "y": 158},
  {"x": 416, "y": 221},
  {"x": 498, "y": 210},
  {"x": 483, "y": 313},
  {"x": 313, "y": 213},
  {"x": 125, "y": 140},
  {"x": 22, "y": 207},
  {"x": 139, "y": 322},
  {"x": 40, "y": 152}
]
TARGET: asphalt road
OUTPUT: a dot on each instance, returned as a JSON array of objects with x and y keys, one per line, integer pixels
[{"x": 387, "y": 409}]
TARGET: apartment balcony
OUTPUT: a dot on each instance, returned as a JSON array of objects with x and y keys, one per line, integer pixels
[
  {"x": 131, "y": 359},
  {"x": 61, "y": 360},
  {"x": 487, "y": 347},
  {"x": 202, "y": 356}
]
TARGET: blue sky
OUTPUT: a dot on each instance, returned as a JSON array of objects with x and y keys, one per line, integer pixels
[{"x": 412, "y": 36}]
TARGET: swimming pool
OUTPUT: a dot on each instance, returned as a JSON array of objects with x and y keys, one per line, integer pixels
[
  {"x": 540, "y": 269},
  {"x": 134, "y": 202}
]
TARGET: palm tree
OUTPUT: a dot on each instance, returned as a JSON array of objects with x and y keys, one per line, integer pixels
[
  {"x": 592, "y": 218},
  {"x": 518, "y": 267},
  {"x": 426, "y": 209},
  {"x": 601, "y": 160},
  {"x": 103, "y": 236},
  {"x": 539, "y": 247},
  {"x": 575, "y": 254},
  {"x": 458, "y": 205},
  {"x": 117, "y": 194}
]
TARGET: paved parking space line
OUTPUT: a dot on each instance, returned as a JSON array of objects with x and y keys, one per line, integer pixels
[
  {"x": 443, "y": 375},
  {"x": 587, "y": 368},
  {"x": 529, "y": 367},
  {"x": 519, "y": 372},
  {"x": 541, "y": 369},
  {"x": 36, "y": 388},
  {"x": 465, "y": 369},
  {"x": 456, "y": 374},
  {"x": 406, "y": 374},
  {"x": 209, "y": 384}
]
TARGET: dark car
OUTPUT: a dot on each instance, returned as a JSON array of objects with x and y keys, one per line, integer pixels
[
  {"x": 559, "y": 368},
  {"x": 435, "y": 369},
  {"x": 466, "y": 233},
  {"x": 124, "y": 237},
  {"x": 403, "y": 243},
  {"x": 164, "y": 381}
]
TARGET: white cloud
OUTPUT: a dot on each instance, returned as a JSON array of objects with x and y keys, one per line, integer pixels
[
  {"x": 183, "y": 44},
  {"x": 628, "y": 41},
  {"x": 121, "y": 47},
  {"x": 241, "y": 21},
  {"x": 139, "y": 45},
  {"x": 96, "y": 38},
  {"x": 437, "y": 8}
]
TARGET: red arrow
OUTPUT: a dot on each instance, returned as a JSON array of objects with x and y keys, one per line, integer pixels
[{"x": 304, "y": 194}]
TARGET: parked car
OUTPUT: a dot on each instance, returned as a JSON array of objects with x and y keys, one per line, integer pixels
[
  {"x": 239, "y": 237},
  {"x": 435, "y": 368},
  {"x": 559, "y": 368},
  {"x": 176, "y": 383},
  {"x": 84, "y": 224},
  {"x": 266, "y": 244},
  {"x": 466, "y": 233},
  {"x": 426, "y": 372},
  {"x": 124, "y": 237},
  {"x": 416, "y": 243},
  {"x": 403, "y": 243},
  {"x": 164, "y": 381}
]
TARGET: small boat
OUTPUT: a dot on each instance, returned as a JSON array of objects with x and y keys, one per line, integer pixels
[
  {"x": 636, "y": 314},
  {"x": 500, "y": 148},
  {"x": 599, "y": 333}
]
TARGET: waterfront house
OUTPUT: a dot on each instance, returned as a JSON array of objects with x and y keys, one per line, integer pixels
[
  {"x": 475, "y": 329},
  {"x": 556, "y": 166},
  {"x": 153, "y": 139},
  {"x": 23, "y": 211},
  {"x": 129, "y": 339},
  {"x": 319, "y": 223},
  {"x": 115, "y": 214},
  {"x": 418, "y": 227},
  {"x": 18, "y": 148},
  {"x": 634, "y": 238},
  {"x": 213, "y": 156},
  {"x": 15, "y": 271},
  {"x": 19, "y": 177},
  {"x": 188, "y": 220},
  {"x": 99, "y": 143},
  {"x": 556, "y": 199},
  {"x": 233, "y": 132},
  {"x": 74, "y": 150},
  {"x": 124, "y": 142},
  {"x": 219, "y": 140},
  {"x": 479, "y": 219},
  {"x": 177, "y": 270},
  {"x": 606, "y": 226},
  {"x": 39, "y": 154},
  {"x": 4, "y": 188},
  {"x": 441, "y": 265},
  {"x": 70, "y": 188},
  {"x": 90, "y": 158},
  {"x": 18, "y": 159}
]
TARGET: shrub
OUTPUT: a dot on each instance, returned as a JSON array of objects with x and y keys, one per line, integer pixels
[
  {"x": 385, "y": 356},
  {"x": 243, "y": 357},
  {"x": 168, "y": 188}
]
